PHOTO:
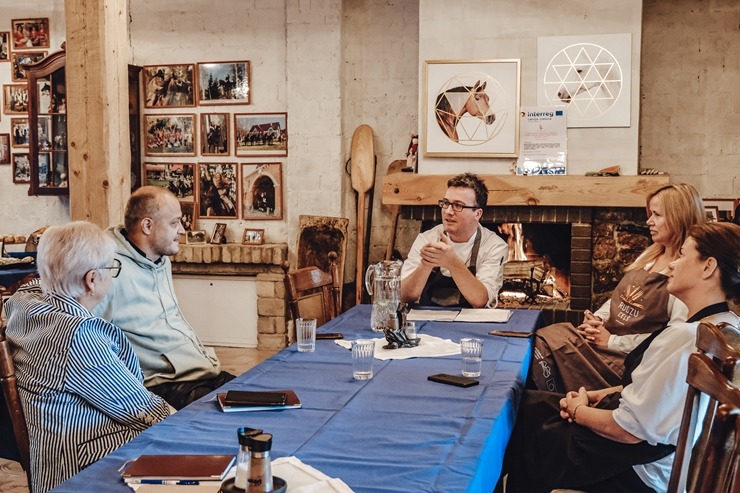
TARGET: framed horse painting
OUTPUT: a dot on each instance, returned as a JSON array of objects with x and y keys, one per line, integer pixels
[
  {"x": 261, "y": 134},
  {"x": 223, "y": 83},
  {"x": 214, "y": 134},
  {"x": 168, "y": 86},
  {"x": 471, "y": 108}
]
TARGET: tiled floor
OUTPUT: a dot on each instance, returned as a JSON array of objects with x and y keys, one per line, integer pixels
[{"x": 233, "y": 360}]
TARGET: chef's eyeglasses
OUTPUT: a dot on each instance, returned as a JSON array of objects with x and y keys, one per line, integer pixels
[{"x": 444, "y": 204}]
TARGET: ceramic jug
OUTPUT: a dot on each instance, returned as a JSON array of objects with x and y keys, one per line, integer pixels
[{"x": 383, "y": 282}]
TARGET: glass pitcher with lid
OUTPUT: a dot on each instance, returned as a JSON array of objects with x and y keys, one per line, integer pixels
[{"x": 383, "y": 283}]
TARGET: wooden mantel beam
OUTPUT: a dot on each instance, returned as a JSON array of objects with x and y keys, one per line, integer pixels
[{"x": 576, "y": 191}]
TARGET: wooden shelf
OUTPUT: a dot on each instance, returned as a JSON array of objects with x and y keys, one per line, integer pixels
[{"x": 575, "y": 191}]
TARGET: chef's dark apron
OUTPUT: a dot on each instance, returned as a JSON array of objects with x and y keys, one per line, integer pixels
[
  {"x": 441, "y": 290},
  {"x": 563, "y": 360}
]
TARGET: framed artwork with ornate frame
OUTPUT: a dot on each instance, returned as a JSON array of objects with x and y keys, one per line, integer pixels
[
  {"x": 471, "y": 108},
  {"x": 262, "y": 191},
  {"x": 170, "y": 135},
  {"x": 261, "y": 134},
  {"x": 30, "y": 33},
  {"x": 223, "y": 83},
  {"x": 218, "y": 190},
  {"x": 169, "y": 86},
  {"x": 214, "y": 134}
]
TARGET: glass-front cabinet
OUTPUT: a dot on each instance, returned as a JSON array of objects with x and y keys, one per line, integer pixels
[{"x": 47, "y": 124}]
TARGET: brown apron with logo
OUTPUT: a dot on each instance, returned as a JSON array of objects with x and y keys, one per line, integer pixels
[
  {"x": 563, "y": 360},
  {"x": 441, "y": 290}
]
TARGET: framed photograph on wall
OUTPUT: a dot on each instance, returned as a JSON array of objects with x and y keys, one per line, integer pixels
[
  {"x": 4, "y": 148},
  {"x": 262, "y": 191},
  {"x": 219, "y": 234},
  {"x": 21, "y": 168},
  {"x": 30, "y": 33},
  {"x": 170, "y": 135},
  {"x": 168, "y": 86},
  {"x": 253, "y": 236},
  {"x": 261, "y": 134},
  {"x": 15, "y": 99},
  {"x": 712, "y": 212},
  {"x": 19, "y": 131},
  {"x": 4, "y": 46},
  {"x": 18, "y": 74},
  {"x": 223, "y": 83},
  {"x": 178, "y": 178},
  {"x": 195, "y": 237},
  {"x": 188, "y": 215},
  {"x": 724, "y": 208},
  {"x": 218, "y": 192},
  {"x": 214, "y": 134},
  {"x": 471, "y": 108}
]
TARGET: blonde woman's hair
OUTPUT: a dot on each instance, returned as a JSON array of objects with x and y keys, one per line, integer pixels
[
  {"x": 682, "y": 208},
  {"x": 67, "y": 253}
]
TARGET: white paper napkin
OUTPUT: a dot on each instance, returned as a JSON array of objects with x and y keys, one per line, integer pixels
[
  {"x": 302, "y": 478},
  {"x": 429, "y": 347}
]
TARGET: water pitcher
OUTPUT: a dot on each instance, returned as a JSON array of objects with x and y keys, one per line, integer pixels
[{"x": 383, "y": 282}]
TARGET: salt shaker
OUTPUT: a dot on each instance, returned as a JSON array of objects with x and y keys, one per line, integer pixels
[
  {"x": 243, "y": 458},
  {"x": 260, "y": 469}
]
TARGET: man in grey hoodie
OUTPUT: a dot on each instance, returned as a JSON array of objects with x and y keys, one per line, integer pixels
[{"x": 142, "y": 301}]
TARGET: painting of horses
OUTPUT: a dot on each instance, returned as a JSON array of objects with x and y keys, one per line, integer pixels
[
  {"x": 167, "y": 86},
  {"x": 214, "y": 131},
  {"x": 223, "y": 83},
  {"x": 471, "y": 108},
  {"x": 590, "y": 75},
  {"x": 178, "y": 178},
  {"x": 261, "y": 134}
]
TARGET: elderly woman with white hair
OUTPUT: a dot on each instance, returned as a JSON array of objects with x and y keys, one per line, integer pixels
[{"x": 78, "y": 376}]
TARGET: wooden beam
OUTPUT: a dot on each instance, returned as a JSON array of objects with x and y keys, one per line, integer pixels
[
  {"x": 577, "y": 191},
  {"x": 97, "y": 109}
]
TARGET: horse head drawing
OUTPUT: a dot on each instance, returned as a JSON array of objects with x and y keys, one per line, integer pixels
[{"x": 453, "y": 103}]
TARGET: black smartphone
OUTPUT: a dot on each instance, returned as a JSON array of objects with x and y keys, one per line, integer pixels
[
  {"x": 330, "y": 335},
  {"x": 458, "y": 381},
  {"x": 251, "y": 398}
]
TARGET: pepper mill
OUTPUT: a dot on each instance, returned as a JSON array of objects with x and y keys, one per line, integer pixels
[{"x": 260, "y": 468}]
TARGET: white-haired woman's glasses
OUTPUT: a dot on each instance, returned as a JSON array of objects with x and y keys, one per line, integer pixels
[{"x": 114, "y": 269}]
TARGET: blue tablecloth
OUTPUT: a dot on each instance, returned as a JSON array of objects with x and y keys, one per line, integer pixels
[{"x": 397, "y": 432}]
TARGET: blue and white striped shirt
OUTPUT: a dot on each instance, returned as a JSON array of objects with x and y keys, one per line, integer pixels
[{"x": 80, "y": 383}]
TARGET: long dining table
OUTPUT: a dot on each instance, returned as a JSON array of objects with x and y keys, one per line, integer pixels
[{"x": 397, "y": 432}]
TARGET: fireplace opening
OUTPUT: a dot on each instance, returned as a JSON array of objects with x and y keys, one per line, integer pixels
[{"x": 538, "y": 268}]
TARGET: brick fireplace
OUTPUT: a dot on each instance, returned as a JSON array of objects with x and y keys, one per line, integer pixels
[{"x": 602, "y": 242}]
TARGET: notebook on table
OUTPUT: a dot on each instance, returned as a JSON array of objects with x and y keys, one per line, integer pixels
[{"x": 160, "y": 468}]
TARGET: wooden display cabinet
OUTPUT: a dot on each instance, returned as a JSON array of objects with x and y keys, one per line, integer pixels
[{"x": 47, "y": 126}]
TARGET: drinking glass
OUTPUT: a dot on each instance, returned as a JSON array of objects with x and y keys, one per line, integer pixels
[
  {"x": 363, "y": 352},
  {"x": 305, "y": 329},
  {"x": 471, "y": 350}
]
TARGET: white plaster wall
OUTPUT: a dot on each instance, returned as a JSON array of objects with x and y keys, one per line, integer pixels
[
  {"x": 482, "y": 30},
  {"x": 19, "y": 213}
]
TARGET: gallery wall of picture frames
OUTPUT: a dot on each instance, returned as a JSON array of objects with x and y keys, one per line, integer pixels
[{"x": 192, "y": 143}]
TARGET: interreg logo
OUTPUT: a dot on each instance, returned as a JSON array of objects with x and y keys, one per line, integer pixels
[{"x": 549, "y": 114}]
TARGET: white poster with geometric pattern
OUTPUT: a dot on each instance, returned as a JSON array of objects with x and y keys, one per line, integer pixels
[{"x": 590, "y": 74}]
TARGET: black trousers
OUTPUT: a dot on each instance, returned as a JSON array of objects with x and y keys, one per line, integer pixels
[
  {"x": 180, "y": 394},
  {"x": 547, "y": 452}
]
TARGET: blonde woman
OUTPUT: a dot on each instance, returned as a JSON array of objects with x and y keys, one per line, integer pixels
[{"x": 592, "y": 354}]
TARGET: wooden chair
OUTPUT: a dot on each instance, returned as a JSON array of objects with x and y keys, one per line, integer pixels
[
  {"x": 12, "y": 402},
  {"x": 711, "y": 465},
  {"x": 313, "y": 293}
]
